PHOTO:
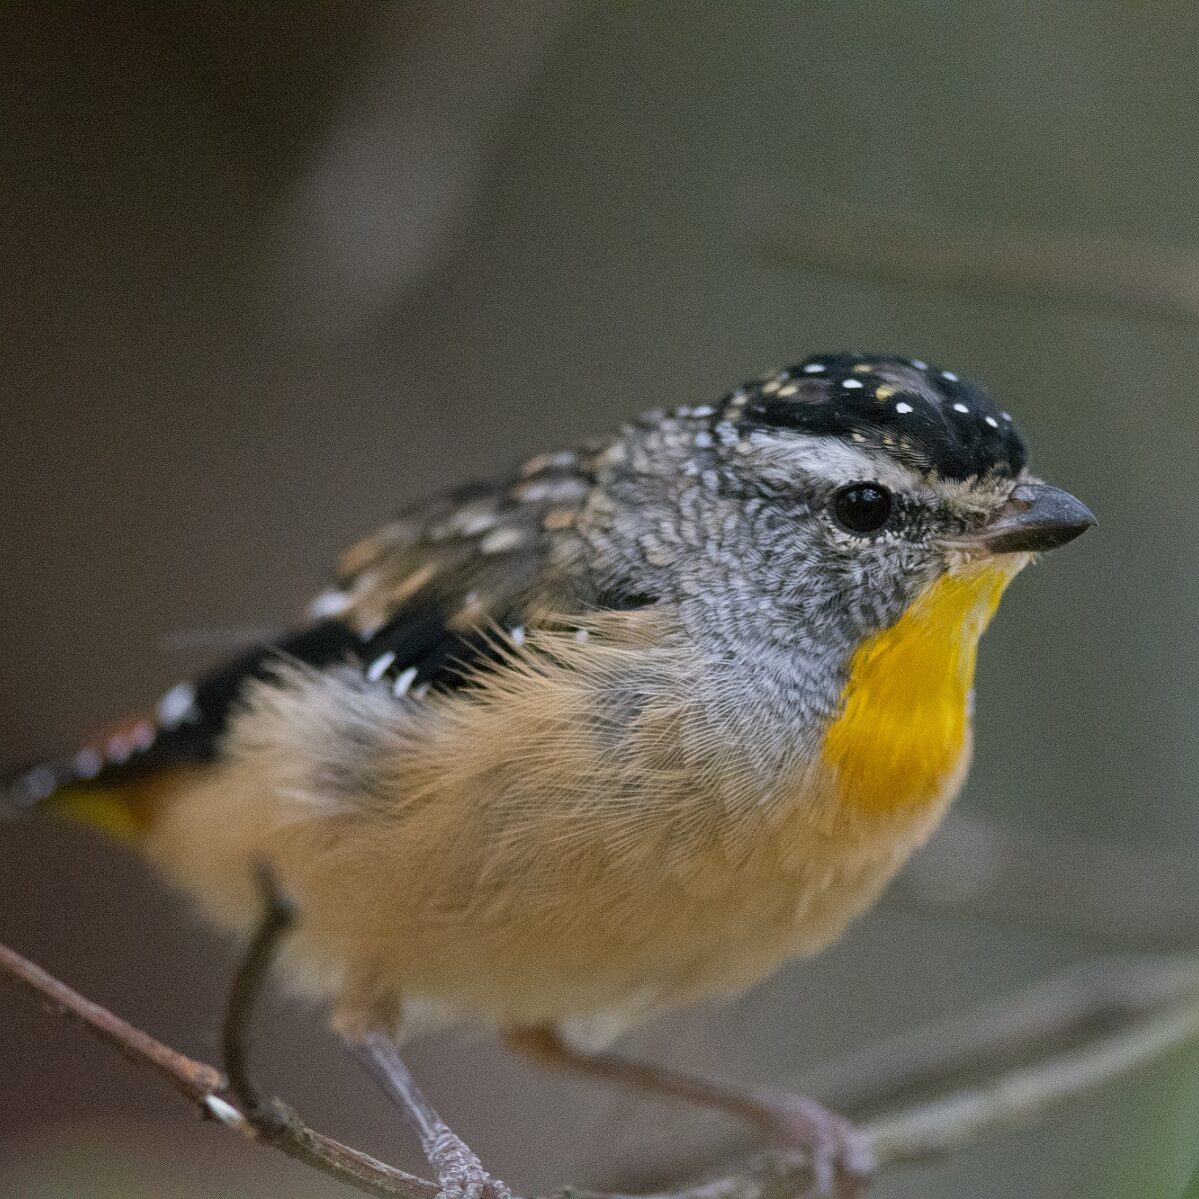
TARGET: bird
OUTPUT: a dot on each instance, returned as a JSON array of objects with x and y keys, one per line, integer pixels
[{"x": 624, "y": 730}]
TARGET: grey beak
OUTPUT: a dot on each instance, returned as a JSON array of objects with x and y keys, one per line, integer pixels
[{"x": 1036, "y": 517}]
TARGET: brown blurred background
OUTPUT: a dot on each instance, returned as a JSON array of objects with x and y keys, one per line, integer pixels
[{"x": 267, "y": 271}]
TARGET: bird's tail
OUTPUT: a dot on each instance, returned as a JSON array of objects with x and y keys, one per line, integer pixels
[
  {"x": 111, "y": 784},
  {"x": 120, "y": 782}
]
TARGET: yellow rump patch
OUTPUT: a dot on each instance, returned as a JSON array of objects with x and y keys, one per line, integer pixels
[
  {"x": 105, "y": 808},
  {"x": 903, "y": 732}
]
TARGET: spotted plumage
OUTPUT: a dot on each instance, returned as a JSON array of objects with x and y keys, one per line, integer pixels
[
  {"x": 624, "y": 730},
  {"x": 425, "y": 602},
  {"x": 929, "y": 418},
  {"x": 432, "y": 598}
]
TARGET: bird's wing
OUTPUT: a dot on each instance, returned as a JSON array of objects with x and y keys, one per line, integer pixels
[{"x": 423, "y": 603}]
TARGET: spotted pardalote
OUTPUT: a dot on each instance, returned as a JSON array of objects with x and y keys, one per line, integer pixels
[{"x": 624, "y": 730}]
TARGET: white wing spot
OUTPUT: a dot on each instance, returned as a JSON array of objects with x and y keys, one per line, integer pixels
[
  {"x": 950, "y": 376},
  {"x": 118, "y": 750},
  {"x": 960, "y": 407},
  {"x": 704, "y": 440},
  {"x": 1006, "y": 415},
  {"x": 850, "y": 384},
  {"x": 703, "y": 410},
  {"x": 39, "y": 783},
  {"x": 501, "y": 540},
  {"x": 789, "y": 390},
  {"x": 328, "y": 603},
  {"x": 176, "y": 706},
  {"x": 902, "y": 408},
  {"x": 404, "y": 681},
  {"x": 142, "y": 736},
  {"x": 517, "y": 633},
  {"x": 919, "y": 364},
  {"x": 479, "y": 522},
  {"x": 87, "y": 764},
  {"x": 564, "y": 458},
  {"x": 581, "y": 635},
  {"x": 992, "y": 422},
  {"x": 814, "y": 368},
  {"x": 380, "y": 666}
]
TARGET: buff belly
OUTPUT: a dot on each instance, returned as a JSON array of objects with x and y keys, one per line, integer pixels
[{"x": 482, "y": 893}]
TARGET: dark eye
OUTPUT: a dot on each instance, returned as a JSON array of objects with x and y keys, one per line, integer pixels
[{"x": 862, "y": 507}]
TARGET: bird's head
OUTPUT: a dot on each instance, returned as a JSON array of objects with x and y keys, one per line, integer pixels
[
  {"x": 833, "y": 496},
  {"x": 837, "y": 535}
]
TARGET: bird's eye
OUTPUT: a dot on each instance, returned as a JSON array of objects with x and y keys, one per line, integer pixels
[{"x": 862, "y": 507}]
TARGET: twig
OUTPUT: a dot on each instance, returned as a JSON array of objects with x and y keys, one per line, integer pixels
[
  {"x": 1163, "y": 995},
  {"x": 1046, "y": 1017},
  {"x": 1017, "y": 1096},
  {"x": 930, "y": 1130},
  {"x": 858, "y": 242},
  {"x": 979, "y": 868},
  {"x": 1071, "y": 1012},
  {"x": 206, "y": 1087},
  {"x": 763, "y": 1176},
  {"x": 194, "y": 1080}
]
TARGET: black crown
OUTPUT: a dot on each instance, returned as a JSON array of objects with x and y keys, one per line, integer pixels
[{"x": 925, "y": 416}]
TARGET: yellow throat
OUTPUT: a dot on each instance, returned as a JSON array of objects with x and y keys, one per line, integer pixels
[{"x": 903, "y": 732}]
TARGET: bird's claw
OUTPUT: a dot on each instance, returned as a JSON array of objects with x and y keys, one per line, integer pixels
[
  {"x": 460, "y": 1174},
  {"x": 841, "y": 1157}
]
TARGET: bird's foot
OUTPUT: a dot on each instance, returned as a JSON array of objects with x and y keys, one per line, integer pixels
[
  {"x": 460, "y": 1174},
  {"x": 842, "y": 1160}
]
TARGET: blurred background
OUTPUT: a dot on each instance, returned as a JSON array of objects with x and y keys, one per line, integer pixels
[{"x": 271, "y": 270}]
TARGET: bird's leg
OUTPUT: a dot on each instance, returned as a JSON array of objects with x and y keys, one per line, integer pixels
[
  {"x": 460, "y": 1174},
  {"x": 841, "y": 1158}
]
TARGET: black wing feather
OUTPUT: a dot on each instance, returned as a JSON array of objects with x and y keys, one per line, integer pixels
[{"x": 426, "y": 603}]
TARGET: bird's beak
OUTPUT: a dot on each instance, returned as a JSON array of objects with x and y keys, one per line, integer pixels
[{"x": 1036, "y": 517}]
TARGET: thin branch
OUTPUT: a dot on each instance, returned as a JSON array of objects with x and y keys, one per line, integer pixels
[
  {"x": 980, "y": 868},
  {"x": 1051, "y": 1015},
  {"x": 194, "y": 1080},
  {"x": 930, "y": 1130},
  {"x": 1129, "y": 278},
  {"x": 776, "y": 1175},
  {"x": 1016, "y": 1097},
  {"x": 1162, "y": 998},
  {"x": 206, "y": 1087},
  {"x": 986, "y": 1052}
]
